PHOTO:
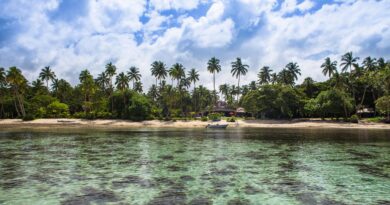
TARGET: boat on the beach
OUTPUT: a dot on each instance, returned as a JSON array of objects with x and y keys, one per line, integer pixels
[{"x": 217, "y": 126}]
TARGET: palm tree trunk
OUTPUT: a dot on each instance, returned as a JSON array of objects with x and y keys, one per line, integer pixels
[
  {"x": 215, "y": 93},
  {"x": 238, "y": 86}
]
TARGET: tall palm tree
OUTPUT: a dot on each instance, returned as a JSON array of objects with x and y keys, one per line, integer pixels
[
  {"x": 159, "y": 70},
  {"x": 177, "y": 72},
  {"x": 381, "y": 63},
  {"x": 274, "y": 78},
  {"x": 122, "y": 84},
  {"x": 238, "y": 69},
  {"x": 193, "y": 76},
  {"x": 18, "y": 84},
  {"x": 329, "y": 67},
  {"x": 103, "y": 81},
  {"x": 347, "y": 61},
  {"x": 46, "y": 75},
  {"x": 3, "y": 83},
  {"x": 111, "y": 72},
  {"x": 293, "y": 69},
  {"x": 134, "y": 75},
  {"x": 369, "y": 64},
  {"x": 38, "y": 87},
  {"x": 264, "y": 75},
  {"x": 88, "y": 88},
  {"x": 213, "y": 67}
]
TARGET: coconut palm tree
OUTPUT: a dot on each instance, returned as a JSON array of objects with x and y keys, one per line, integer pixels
[
  {"x": 224, "y": 89},
  {"x": 193, "y": 76},
  {"x": 381, "y": 63},
  {"x": 46, "y": 75},
  {"x": 18, "y": 84},
  {"x": 293, "y": 69},
  {"x": 264, "y": 75},
  {"x": 329, "y": 67},
  {"x": 3, "y": 83},
  {"x": 239, "y": 69},
  {"x": 103, "y": 81},
  {"x": 213, "y": 67},
  {"x": 138, "y": 87},
  {"x": 87, "y": 87},
  {"x": 38, "y": 87},
  {"x": 134, "y": 75},
  {"x": 274, "y": 78},
  {"x": 159, "y": 70},
  {"x": 369, "y": 64},
  {"x": 347, "y": 61},
  {"x": 111, "y": 72},
  {"x": 177, "y": 72},
  {"x": 122, "y": 82}
]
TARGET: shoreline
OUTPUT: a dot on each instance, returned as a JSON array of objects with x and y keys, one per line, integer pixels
[{"x": 121, "y": 124}]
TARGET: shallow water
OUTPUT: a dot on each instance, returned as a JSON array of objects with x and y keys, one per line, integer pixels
[{"x": 252, "y": 166}]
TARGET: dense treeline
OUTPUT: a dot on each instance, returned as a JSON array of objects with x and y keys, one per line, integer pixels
[{"x": 351, "y": 86}]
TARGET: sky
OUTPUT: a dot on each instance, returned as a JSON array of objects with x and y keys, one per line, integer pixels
[{"x": 73, "y": 35}]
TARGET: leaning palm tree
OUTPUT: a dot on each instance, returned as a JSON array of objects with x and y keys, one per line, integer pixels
[
  {"x": 347, "y": 61},
  {"x": 111, "y": 72},
  {"x": 239, "y": 69},
  {"x": 329, "y": 67},
  {"x": 46, "y": 75},
  {"x": 213, "y": 67},
  {"x": 264, "y": 75},
  {"x": 193, "y": 76},
  {"x": 18, "y": 84},
  {"x": 369, "y": 64},
  {"x": 134, "y": 75}
]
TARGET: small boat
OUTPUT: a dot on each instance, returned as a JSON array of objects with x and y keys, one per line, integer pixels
[{"x": 217, "y": 126}]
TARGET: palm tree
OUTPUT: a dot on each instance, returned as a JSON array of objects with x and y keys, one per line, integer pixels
[
  {"x": 38, "y": 87},
  {"x": 88, "y": 88},
  {"x": 224, "y": 90},
  {"x": 122, "y": 82},
  {"x": 274, "y": 78},
  {"x": 293, "y": 69},
  {"x": 264, "y": 75},
  {"x": 285, "y": 77},
  {"x": 3, "y": 83},
  {"x": 329, "y": 67},
  {"x": 213, "y": 67},
  {"x": 138, "y": 87},
  {"x": 193, "y": 76},
  {"x": 239, "y": 69},
  {"x": 159, "y": 70},
  {"x": 369, "y": 64},
  {"x": 111, "y": 71},
  {"x": 18, "y": 85},
  {"x": 103, "y": 81},
  {"x": 46, "y": 75},
  {"x": 177, "y": 72},
  {"x": 134, "y": 75},
  {"x": 347, "y": 61}
]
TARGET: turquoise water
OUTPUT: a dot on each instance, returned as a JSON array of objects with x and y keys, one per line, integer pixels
[{"x": 253, "y": 166}]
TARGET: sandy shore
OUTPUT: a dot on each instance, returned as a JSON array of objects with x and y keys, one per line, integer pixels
[{"x": 112, "y": 124}]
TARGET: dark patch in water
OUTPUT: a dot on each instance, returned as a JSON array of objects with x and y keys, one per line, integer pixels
[
  {"x": 306, "y": 198},
  {"x": 175, "y": 195},
  {"x": 370, "y": 169},
  {"x": 201, "y": 201},
  {"x": 255, "y": 155},
  {"x": 174, "y": 168},
  {"x": 180, "y": 151},
  {"x": 89, "y": 195},
  {"x": 125, "y": 182},
  {"x": 222, "y": 172},
  {"x": 383, "y": 202},
  {"x": 250, "y": 190},
  {"x": 166, "y": 157},
  {"x": 331, "y": 202},
  {"x": 187, "y": 178},
  {"x": 218, "y": 159},
  {"x": 12, "y": 183},
  {"x": 238, "y": 202},
  {"x": 360, "y": 155},
  {"x": 165, "y": 181}
]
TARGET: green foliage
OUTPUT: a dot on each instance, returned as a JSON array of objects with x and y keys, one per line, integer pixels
[
  {"x": 334, "y": 103},
  {"x": 231, "y": 119},
  {"x": 383, "y": 105},
  {"x": 57, "y": 109},
  {"x": 204, "y": 119},
  {"x": 215, "y": 116},
  {"x": 140, "y": 108},
  {"x": 354, "y": 119},
  {"x": 28, "y": 117}
]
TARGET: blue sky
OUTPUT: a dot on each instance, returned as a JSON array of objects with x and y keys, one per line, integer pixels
[{"x": 71, "y": 35}]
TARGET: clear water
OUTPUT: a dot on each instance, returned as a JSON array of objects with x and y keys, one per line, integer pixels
[{"x": 253, "y": 166}]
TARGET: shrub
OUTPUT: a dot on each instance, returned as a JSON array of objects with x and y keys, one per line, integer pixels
[
  {"x": 354, "y": 119},
  {"x": 215, "y": 116},
  {"x": 57, "y": 109},
  {"x": 28, "y": 117},
  {"x": 231, "y": 119},
  {"x": 204, "y": 119},
  {"x": 140, "y": 108}
]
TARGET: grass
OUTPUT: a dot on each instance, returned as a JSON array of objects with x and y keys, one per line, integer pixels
[{"x": 374, "y": 119}]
